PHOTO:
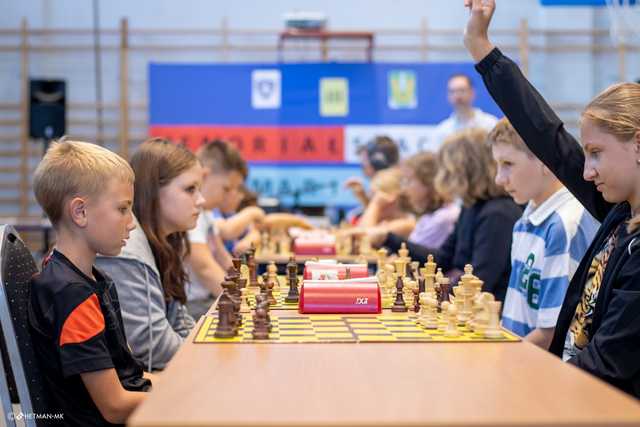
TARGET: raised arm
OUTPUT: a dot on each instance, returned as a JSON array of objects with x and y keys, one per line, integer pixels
[{"x": 528, "y": 112}]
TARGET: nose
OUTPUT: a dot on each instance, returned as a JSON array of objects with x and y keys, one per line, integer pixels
[
  {"x": 500, "y": 178},
  {"x": 131, "y": 225},
  {"x": 589, "y": 173},
  {"x": 199, "y": 199}
]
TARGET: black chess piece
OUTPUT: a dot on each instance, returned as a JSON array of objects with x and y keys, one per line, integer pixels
[
  {"x": 253, "y": 269},
  {"x": 421, "y": 285},
  {"x": 399, "y": 305},
  {"x": 292, "y": 276},
  {"x": 355, "y": 244},
  {"x": 226, "y": 324},
  {"x": 416, "y": 301},
  {"x": 260, "y": 328}
]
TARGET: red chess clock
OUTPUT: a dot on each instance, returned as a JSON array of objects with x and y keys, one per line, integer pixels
[
  {"x": 315, "y": 243},
  {"x": 340, "y": 296},
  {"x": 333, "y": 271}
]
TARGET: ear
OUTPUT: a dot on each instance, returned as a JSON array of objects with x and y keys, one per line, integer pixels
[
  {"x": 78, "y": 211},
  {"x": 636, "y": 142}
]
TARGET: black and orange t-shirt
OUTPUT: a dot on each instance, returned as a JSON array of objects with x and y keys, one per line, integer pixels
[{"x": 77, "y": 327}]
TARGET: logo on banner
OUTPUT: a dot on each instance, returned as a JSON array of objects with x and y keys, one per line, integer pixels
[
  {"x": 402, "y": 89},
  {"x": 334, "y": 97},
  {"x": 266, "y": 89}
]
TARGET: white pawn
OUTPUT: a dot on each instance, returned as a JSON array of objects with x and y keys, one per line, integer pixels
[
  {"x": 430, "y": 320},
  {"x": 493, "y": 328},
  {"x": 444, "y": 319},
  {"x": 452, "y": 324}
]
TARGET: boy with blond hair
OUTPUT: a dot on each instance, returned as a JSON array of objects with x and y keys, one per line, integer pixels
[
  {"x": 548, "y": 241},
  {"x": 74, "y": 315}
]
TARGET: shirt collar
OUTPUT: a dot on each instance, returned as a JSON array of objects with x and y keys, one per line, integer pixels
[{"x": 537, "y": 215}]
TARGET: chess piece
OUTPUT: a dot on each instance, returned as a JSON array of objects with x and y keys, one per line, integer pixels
[
  {"x": 428, "y": 314},
  {"x": 452, "y": 322},
  {"x": 443, "y": 321},
  {"x": 399, "y": 305},
  {"x": 272, "y": 269},
  {"x": 244, "y": 302},
  {"x": 226, "y": 327},
  {"x": 263, "y": 302},
  {"x": 444, "y": 285},
  {"x": 381, "y": 261},
  {"x": 237, "y": 263},
  {"x": 415, "y": 267},
  {"x": 416, "y": 298},
  {"x": 481, "y": 312},
  {"x": 269, "y": 285},
  {"x": 292, "y": 276},
  {"x": 477, "y": 285},
  {"x": 253, "y": 270},
  {"x": 347, "y": 273},
  {"x": 403, "y": 252},
  {"x": 493, "y": 327},
  {"x": 260, "y": 327}
]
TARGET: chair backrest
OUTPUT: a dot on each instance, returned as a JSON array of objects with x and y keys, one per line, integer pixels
[{"x": 24, "y": 378}]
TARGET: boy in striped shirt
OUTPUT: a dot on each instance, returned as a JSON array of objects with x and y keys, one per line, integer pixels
[{"x": 548, "y": 241}]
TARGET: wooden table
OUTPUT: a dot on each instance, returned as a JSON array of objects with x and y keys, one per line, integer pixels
[{"x": 394, "y": 384}]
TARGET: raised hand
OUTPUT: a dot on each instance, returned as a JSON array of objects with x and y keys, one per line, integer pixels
[{"x": 476, "y": 38}]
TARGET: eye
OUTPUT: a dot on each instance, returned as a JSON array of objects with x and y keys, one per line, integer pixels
[
  {"x": 123, "y": 209},
  {"x": 191, "y": 189}
]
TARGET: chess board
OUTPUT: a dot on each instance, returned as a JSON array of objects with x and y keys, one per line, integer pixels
[
  {"x": 391, "y": 327},
  {"x": 278, "y": 295}
]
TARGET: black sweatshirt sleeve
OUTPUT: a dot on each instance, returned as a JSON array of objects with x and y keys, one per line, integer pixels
[{"x": 540, "y": 128}]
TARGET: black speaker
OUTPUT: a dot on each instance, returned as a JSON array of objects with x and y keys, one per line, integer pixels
[{"x": 47, "y": 109}]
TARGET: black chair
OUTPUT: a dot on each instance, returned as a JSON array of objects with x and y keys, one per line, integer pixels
[{"x": 24, "y": 380}]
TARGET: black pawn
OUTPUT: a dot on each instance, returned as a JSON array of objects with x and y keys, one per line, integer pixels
[
  {"x": 292, "y": 275},
  {"x": 260, "y": 328},
  {"x": 226, "y": 324}
]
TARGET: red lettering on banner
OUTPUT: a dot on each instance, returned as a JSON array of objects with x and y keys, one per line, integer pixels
[{"x": 270, "y": 144}]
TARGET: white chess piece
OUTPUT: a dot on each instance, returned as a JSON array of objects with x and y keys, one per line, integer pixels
[{"x": 493, "y": 328}]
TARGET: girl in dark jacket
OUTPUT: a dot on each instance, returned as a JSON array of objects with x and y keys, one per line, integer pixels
[{"x": 598, "y": 328}]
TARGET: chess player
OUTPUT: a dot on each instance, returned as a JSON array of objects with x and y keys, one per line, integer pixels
[
  {"x": 548, "y": 241},
  {"x": 598, "y": 328},
  {"x": 149, "y": 272}
]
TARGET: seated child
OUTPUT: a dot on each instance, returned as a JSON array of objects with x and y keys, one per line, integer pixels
[
  {"x": 389, "y": 208},
  {"x": 548, "y": 241},
  {"x": 149, "y": 271},
  {"x": 208, "y": 261},
  {"x": 76, "y": 326},
  {"x": 438, "y": 214}
]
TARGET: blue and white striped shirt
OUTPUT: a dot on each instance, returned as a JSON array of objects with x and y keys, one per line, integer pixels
[{"x": 548, "y": 244}]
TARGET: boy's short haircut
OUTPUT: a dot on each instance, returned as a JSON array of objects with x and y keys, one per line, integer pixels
[
  {"x": 222, "y": 157},
  {"x": 75, "y": 168},
  {"x": 504, "y": 133}
]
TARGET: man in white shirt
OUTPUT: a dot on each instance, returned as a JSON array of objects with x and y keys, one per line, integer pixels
[{"x": 461, "y": 95}]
